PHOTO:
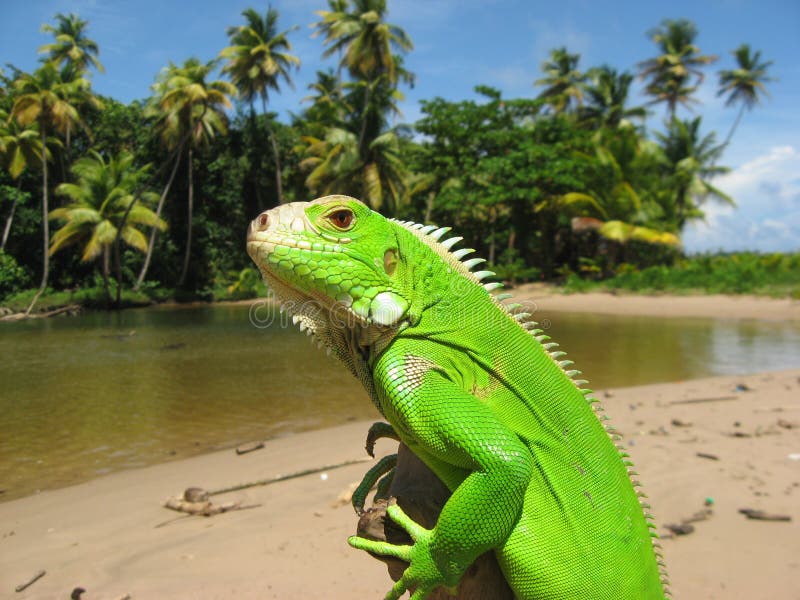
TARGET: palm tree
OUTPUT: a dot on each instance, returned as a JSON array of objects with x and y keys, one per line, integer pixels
[
  {"x": 189, "y": 112},
  {"x": 336, "y": 166},
  {"x": 330, "y": 19},
  {"x": 71, "y": 47},
  {"x": 366, "y": 44},
  {"x": 102, "y": 209},
  {"x": 688, "y": 162},
  {"x": 621, "y": 211},
  {"x": 258, "y": 58},
  {"x": 329, "y": 104},
  {"x": 19, "y": 148},
  {"x": 675, "y": 74},
  {"x": 744, "y": 84},
  {"x": 43, "y": 99},
  {"x": 79, "y": 94},
  {"x": 606, "y": 98},
  {"x": 564, "y": 82}
]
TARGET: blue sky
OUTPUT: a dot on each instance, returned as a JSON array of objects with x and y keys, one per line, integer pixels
[{"x": 463, "y": 43}]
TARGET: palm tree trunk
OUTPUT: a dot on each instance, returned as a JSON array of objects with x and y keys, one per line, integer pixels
[
  {"x": 10, "y": 218},
  {"x": 254, "y": 147},
  {"x": 735, "y": 125},
  {"x": 492, "y": 235},
  {"x": 105, "y": 276},
  {"x": 271, "y": 134},
  {"x": 151, "y": 243},
  {"x": 118, "y": 269},
  {"x": 363, "y": 134},
  {"x": 190, "y": 203},
  {"x": 45, "y": 224},
  {"x": 429, "y": 207}
]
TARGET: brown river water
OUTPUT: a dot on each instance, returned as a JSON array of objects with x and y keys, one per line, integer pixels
[{"x": 84, "y": 396}]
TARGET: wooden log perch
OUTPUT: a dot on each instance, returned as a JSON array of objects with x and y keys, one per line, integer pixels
[{"x": 422, "y": 495}]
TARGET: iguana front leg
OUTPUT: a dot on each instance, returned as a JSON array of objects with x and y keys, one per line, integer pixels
[{"x": 480, "y": 459}]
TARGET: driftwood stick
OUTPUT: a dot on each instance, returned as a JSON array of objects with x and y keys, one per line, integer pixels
[
  {"x": 701, "y": 400},
  {"x": 24, "y": 586},
  {"x": 422, "y": 495},
  {"x": 22, "y": 316},
  {"x": 278, "y": 478}
]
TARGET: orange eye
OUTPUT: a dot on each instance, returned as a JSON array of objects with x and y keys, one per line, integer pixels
[{"x": 342, "y": 218}]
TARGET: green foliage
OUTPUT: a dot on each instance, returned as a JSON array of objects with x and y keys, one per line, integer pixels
[
  {"x": 737, "y": 273},
  {"x": 93, "y": 297},
  {"x": 247, "y": 284},
  {"x": 13, "y": 277}
]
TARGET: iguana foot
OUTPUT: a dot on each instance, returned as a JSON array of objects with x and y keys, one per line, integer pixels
[
  {"x": 383, "y": 467},
  {"x": 377, "y": 431},
  {"x": 423, "y": 574}
]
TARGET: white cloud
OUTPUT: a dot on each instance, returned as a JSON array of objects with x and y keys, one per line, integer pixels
[{"x": 767, "y": 216}]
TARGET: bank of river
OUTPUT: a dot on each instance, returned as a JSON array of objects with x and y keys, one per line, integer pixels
[{"x": 102, "y": 392}]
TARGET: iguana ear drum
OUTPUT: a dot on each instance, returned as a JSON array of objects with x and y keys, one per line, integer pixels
[
  {"x": 387, "y": 308},
  {"x": 390, "y": 261}
]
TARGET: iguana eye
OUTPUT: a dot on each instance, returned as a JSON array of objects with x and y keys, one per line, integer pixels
[{"x": 342, "y": 218}]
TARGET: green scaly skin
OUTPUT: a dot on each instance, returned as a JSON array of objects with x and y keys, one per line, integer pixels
[{"x": 472, "y": 389}]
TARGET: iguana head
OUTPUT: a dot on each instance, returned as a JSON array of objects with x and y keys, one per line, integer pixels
[{"x": 328, "y": 260}]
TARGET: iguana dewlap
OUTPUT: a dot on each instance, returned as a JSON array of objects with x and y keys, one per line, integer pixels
[{"x": 477, "y": 392}]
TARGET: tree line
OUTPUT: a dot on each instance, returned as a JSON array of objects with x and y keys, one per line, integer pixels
[{"x": 155, "y": 194}]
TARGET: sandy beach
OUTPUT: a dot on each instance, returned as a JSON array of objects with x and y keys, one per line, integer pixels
[
  {"x": 720, "y": 445},
  {"x": 102, "y": 535},
  {"x": 548, "y": 298}
]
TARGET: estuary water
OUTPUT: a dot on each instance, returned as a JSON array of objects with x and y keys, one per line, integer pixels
[{"x": 84, "y": 396}]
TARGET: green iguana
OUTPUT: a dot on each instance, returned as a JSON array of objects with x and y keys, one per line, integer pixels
[{"x": 478, "y": 393}]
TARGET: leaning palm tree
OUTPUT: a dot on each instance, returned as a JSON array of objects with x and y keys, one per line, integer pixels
[
  {"x": 688, "y": 162},
  {"x": 674, "y": 75},
  {"x": 563, "y": 81},
  {"x": 71, "y": 47},
  {"x": 189, "y": 112},
  {"x": 257, "y": 59},
  {"x": 20, "y": 147},
  {"x": 745, "y": 84},
  {"x": 102, "y": 209},
  {"x": 43, "y": 99}
]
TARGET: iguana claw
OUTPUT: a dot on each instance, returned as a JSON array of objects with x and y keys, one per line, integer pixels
[
  {"x": 377, "y": 431},
  {"x": 423, "y": 575},
  {"x": 385, "y": 466}
]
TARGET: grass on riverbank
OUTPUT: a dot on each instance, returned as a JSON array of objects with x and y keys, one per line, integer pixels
[
  {"x": 774, "y": 275},
  {"x": 248, "y": 285},
  {"x": 93, "y": 297}
]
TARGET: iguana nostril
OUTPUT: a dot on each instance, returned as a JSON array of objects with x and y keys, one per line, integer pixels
[{"x": 262, "y": 221}]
